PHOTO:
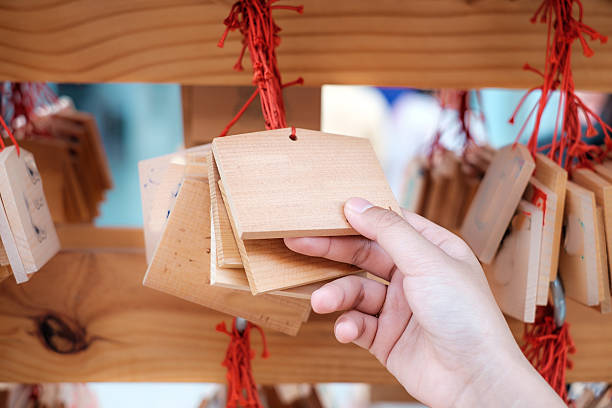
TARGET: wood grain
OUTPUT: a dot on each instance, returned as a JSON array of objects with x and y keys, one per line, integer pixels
[
  {"x": 151, "y": 175},
  {"x": 132, "y": 333},
  {"x": 419, "y": 43},
  {"x": 228, "y": 255},
  {"x": 546, "y": 200},
  {"x": 278, "y": 188},
  {"x": 270, "y": 265},
  {"x": 603, "y": 276},
  {"x": 578, "y": 257},
  {"x": 181, "y": 266},
  {"x": 554, "y": 177},
  {"x": 497, "y": 198},
  {"x": 513, "y": 274},
  {"x": 603, "y": 198},
  {"x": 235, "y": 278}
]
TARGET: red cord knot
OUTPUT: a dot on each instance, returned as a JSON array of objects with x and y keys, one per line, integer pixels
[
  {"x": 293, "y": 135},
  {"x": 564, "y": 28},
  {"x": 547, "y": 348},
  {"x": 10, "y": 135},
  {"x": 241, "y": 387},
  {"x": 260, "y": 35}
]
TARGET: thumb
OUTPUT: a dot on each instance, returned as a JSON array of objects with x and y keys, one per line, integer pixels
[{"x": 408, "y": 249}]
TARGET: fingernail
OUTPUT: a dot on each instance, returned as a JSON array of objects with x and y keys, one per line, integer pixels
[{"x": 357, "y": 205}]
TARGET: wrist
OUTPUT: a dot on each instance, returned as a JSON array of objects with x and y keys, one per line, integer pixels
[{"x": 508, "y": 380}]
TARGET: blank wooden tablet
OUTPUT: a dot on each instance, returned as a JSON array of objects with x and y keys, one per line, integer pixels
[
  {"x": 181, "y": 267},
  {"x": 227, "y": 254},
  {"x": 543, "y": 198},
  {"x": 605, "y": 302},
  {"x": 234, "y": 278},
  {"x": 603, "y": 199},
  {"x": 513, "y": 274},
  {"x": 554, "y": 177},
  {"x": 578, "y": 257},
  {"x": 270, "y": 265},
  {"x": 496, "y": 200},
  {"x": 278, "y": 187}
]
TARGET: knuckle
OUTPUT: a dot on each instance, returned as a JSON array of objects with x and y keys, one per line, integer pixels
[
  {"x": 362, "y": 253},
  {"x": 388, "y": 219}
]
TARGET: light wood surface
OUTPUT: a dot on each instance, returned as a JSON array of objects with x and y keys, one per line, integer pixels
[
  {"x": 270, "y": 265},
  {"x": 419, "y": 43},
  {"x": 497, "y": 198},
  {"x": 543, "y": 198},
  {"x": 554, "y": 177},
  {"x": 603, "y": 198},
  {"x": 127, "y": 332},
  {"x": 235, "y": 278},
  {"x": 513, "y": 274},
  {"x": 277, "y": 187},
  {"x": 181, "y": 266},
  {"x": 578, "y": 257},
  {"x": 152, "y": 174},
  {"x": 228, "y": 255},
  {"x": 603, "y": 276}
]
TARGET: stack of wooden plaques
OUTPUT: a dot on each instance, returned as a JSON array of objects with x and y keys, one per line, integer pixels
[
  {"x": 525, "y": 222},
  {"x": 27, "y": 233},
  {"x": 72, "y": 162},
  {"x": 215, "y": 223}
]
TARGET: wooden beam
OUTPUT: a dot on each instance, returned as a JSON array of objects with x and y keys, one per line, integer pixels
[
  {"x": 419, "y": 43},
  {"x": 122, "y": 331}
]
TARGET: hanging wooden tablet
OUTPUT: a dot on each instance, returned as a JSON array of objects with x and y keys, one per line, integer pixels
[
  {"x": 554, "y": 177},
  {"x": 414, "y": 188},
  {"x": 228, "y": 255},
  {"x": 278, "y": 187},
  {"x": 270, "y": 265},
  {"x": 442, "y": 169},
  {"x": 543, "y": 198},
  {"x": 235, "y": 278},
  {"x": 208, "y": 109},
  {"x": 496, "y": 200},
  {"x": 605, "y": 302},
  {"x": 578, "y": 256},
  {"x": 181, "y": 267},
  {"x": 603, "y": 198},
  {"x": 451, "y": 208},
  {"x": 151, "y": 174},
  {"x": 513, "y": 274},
  {"x": 26, "y": 228}
]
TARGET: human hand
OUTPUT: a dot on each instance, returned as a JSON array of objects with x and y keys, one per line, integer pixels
[{"x": 436, "y": 326}]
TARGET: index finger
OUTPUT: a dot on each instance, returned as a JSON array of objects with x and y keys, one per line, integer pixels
[{"x": 355, "y": 250}]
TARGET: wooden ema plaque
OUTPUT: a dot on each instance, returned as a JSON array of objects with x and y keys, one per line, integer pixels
[
  {"x": 26, "y": 228},
  {"x": 578, "y": 258},
  {"x": 513, "y": 274},
  {"x": 181, "y": 266},
  {"x": 496, "y": 200},
  {"x": 277, "y": 187},
  {"x": 543, "y": 198}
]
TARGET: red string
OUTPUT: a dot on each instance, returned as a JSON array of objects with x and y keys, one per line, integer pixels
[
  {"x": 253, "y": 18},
  {"x": 7, "y": 130},
  {"x": 547, "y": 348},
  {"x": 241, "y": 387},
  {"x": 20, "y": 100},
  {"x": 459, "y": 100},
  {"x": 568, "y": 147}
]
